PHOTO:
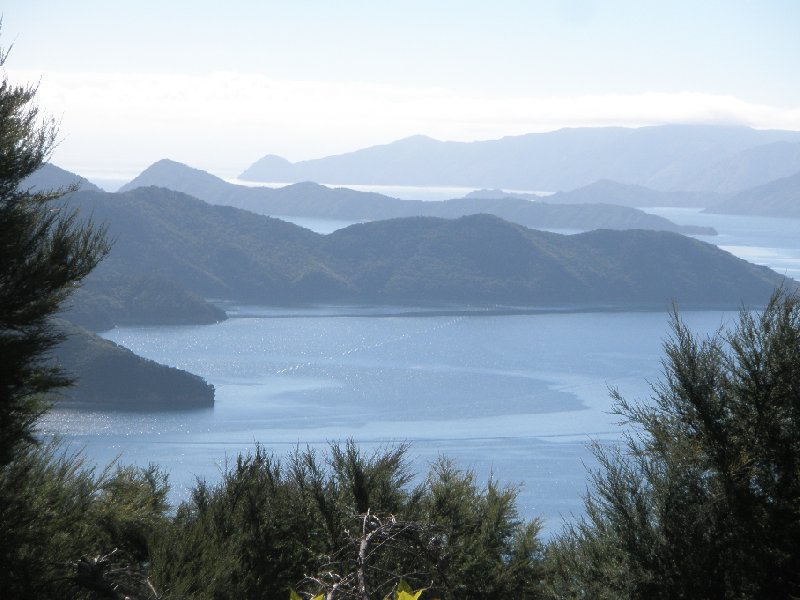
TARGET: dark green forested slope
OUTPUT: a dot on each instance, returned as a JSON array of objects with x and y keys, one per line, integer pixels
[
  {"x": 118, "y": 299},
  {"x": 103, "y": 302},
  {"x": 214, "y": 251},
  {"x": 483, "y": 259},
  {"x": 110, "y": 375},
  {"x": 224, "y": 252}
]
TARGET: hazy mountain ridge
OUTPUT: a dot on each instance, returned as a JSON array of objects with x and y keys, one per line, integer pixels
[
  {"x": 313, "y": 200},
  {"x": 612, "y": 192},
  {"x": 50, "y": 177},
  {"x": 605, "y": 191},
  {"x": 666, "y": 157},
  {"x": 780, "y": 198},
  {"x": 228, "y": 253},
  {"x": 751, "y": 167}
]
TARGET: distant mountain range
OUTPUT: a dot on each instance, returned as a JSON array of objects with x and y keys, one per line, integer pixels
[
  {"x": 606, "y": 191},
  {"x": 667, "y": 158},
  {"x": 780, "y": 198},
  {"x": 479, "y": 260},
  {"x": 317, "y": 201}
]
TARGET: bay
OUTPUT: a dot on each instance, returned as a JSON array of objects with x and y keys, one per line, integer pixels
[{"x": 515, "y": 397}]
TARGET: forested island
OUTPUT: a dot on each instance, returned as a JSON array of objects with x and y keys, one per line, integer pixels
[{"x": 606, "y": 191}]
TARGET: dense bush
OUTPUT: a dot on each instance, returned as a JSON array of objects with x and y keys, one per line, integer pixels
[
  {"x": 704, "y": 500},
  {"x": 59, "y": 516},
  {"x": 269, "y": 526}
]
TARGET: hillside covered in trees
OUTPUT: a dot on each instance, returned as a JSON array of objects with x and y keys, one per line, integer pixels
[
  {"x": 112, "y": 376},
  {"x": 227, "y": 253}
]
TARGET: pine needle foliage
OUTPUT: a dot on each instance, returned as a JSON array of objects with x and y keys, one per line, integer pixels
[
  {"x": 44, "y": 253},
  {"x": 347, "y": 524},
  {"x": 703, "y": 501},
  {"x": 57, "y": 513}
]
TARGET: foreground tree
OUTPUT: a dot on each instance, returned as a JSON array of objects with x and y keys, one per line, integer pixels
[
  {"x": 59, "y": 521},
  {"x": 44, "y": 253},
  {"x": 70, "y": 532},
  {"x": 704, "y": 499},
  {"x": 347, "y": 525}
]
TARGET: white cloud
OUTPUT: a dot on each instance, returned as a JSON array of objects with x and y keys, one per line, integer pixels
[{"x": 224, "y": 121}]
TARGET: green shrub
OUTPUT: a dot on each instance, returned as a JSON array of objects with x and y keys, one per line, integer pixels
[
  {"x": 347, "y": 519},
  {"x": 704, "y": 500},
  {"x": 56, "y": 511}
]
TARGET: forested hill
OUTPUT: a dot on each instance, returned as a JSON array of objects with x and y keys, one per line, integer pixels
[
  {"x": 317, "y": 201},
  {"x": 105, "y": 301},
  {"x": 485, "y": 259},
  {"x": 214, "y": 251},
  {"x": 110, "y": 375},
  {"x": 223, "y": 252}
]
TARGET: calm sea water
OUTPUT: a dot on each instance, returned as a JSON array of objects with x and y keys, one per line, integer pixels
[{"x": 516, "y": 397}]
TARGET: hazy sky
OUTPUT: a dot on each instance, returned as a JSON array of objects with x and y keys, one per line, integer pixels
[{"x": 218, "y": 85}]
